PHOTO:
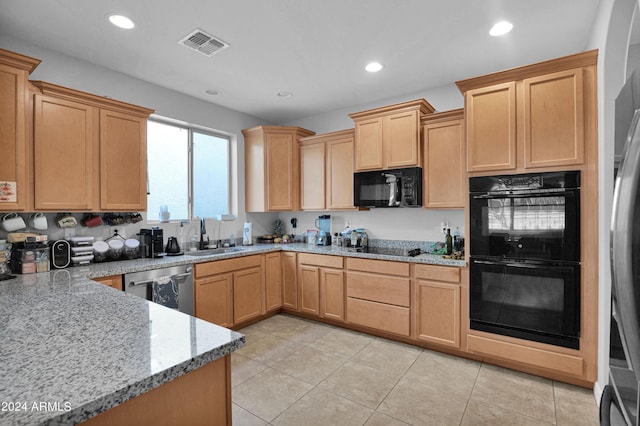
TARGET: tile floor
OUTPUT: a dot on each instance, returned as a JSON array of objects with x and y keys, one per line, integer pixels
[{"x": 294, "y": 371}]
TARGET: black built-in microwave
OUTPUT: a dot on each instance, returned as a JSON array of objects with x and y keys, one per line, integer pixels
[{"x": 388, "y": 188}]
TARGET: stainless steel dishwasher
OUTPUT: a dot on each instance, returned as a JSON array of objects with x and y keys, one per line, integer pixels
[{"x": 141, "y": 284}]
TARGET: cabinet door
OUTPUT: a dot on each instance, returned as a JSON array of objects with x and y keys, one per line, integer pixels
[
  {"x": 273, "y": 281},
  {"x": 491, "y": 127},
  {"x": 368, "y": 144},
  {"x": 247, "y": 294},
  {"x": 113, "y": 281},
  {"x": 554, "y": 119},
  {"x": 65, "y": 155},
  {"x": 13, "y": 139},
  {"x": 214, "y": 299},
  {"x": 309, "y": 286},
  {"x": 123, "y": 162},
  {"x": 401, "y": 136},
  {"x": 289, "y": 281},
  {"x": 438, "y": 312},
  {"x": 282, "y": 186},
  {"x": 339, "y": 173},
  {"x": 312, "y": 176},
  {"x": 444, "y": 173},
  {"x": 332, "y": 293}
]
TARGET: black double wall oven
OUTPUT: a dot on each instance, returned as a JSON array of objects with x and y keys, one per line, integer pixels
[{"x": 525, "y": 256}]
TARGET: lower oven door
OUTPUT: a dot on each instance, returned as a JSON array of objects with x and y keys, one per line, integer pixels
[{"x": 534, "y": 301}]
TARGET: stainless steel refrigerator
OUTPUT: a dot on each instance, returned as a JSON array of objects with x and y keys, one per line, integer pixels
[{"x": 620, "y": 399}]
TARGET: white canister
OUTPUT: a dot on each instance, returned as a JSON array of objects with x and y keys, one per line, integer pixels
[
  {"x": 100, "y": 251},
  {"x": 131, "y": 248},
  {"x": 116, "y": 249}
]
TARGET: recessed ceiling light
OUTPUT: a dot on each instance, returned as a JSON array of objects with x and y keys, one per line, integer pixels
[
  {"x": 501, "y": 28},
  {"x": 212, "y": 92},
  {"x": 121, "y": 21},
  {"x": 373, "y": 66},
  {"x": 285, "y": 94}
]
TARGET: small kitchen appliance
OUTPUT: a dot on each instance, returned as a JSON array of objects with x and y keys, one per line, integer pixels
[
  {"x": 173, "y": 248},
  {"x": 388, "y": 188},
  {"x": 323, "y": 223},
  {"x": 60, "y": 254},
  {"x": 151, "y": 242}
]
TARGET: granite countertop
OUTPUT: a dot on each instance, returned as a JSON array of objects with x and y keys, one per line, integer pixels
[{"x": 71, "y": 348}]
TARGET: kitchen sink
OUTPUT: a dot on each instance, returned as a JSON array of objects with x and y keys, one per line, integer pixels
[{"x": 211, "y": 252}]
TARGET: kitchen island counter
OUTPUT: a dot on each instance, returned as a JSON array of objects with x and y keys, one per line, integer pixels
[{"x": 72, "y": 348}]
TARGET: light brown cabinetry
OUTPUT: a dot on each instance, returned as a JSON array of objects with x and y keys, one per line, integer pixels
[
  {"x": 272, "y": 171},
  {"x": 326, "y": 171},
  {"x": 379, "y": 295},
  {"x": 444, "y": 160},
  {"x": 321, "y": 285},
  {"x": 437, "y": 304},
  {"x": 89, "y": 152},
  {"x": 290, "y": 280},
  {"x": 273, "y": 281},
  {"x": 14, "y": 141},
  {"x": 389, "y": 137},
  {"x": 229, "y": 292},
  {"x": 113, "y": 281},
  {"x": 529, "y": 117}
]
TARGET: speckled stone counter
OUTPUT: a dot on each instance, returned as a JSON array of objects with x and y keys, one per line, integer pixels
[{"x": 71, "y": 348}]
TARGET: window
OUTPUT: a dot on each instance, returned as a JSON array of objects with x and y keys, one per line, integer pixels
[{"x": 188, "y": 171}]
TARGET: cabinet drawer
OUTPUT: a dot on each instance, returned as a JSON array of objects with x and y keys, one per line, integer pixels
[
  {"x": 393, "y": 319},
  {"x": 221, "y": 266},
  {"x": 438, "y": 273},
  {"x": 378, "y": 266},
  {"x": 320, "y": 260},
  {"x": 392, "y": 290}
]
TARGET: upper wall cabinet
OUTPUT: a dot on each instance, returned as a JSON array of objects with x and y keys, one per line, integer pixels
[
  {"x": 326, "y": 171},
  {"x": 89, "y": 152},
  {"x": 15, "y": 190},
  {"x": 444, "y": 160},
  {"x": 272, "y": 169},
  {"x": 530, "y": 117},
  {"x": 389, "y": 137}
]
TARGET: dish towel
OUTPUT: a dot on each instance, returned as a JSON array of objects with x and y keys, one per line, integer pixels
[{"x": 165, "y": 292}]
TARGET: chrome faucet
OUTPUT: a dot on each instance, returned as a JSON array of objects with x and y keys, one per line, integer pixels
[{"x": 203, "y": 231}]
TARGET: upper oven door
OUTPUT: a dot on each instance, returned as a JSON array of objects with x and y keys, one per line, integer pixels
[{"x": 528, "y": 224}]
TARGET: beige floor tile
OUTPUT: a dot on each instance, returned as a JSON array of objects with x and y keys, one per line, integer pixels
[
  {"x": 486, "y": 415},
  {"x": 449, "y": 373},
  {"x": 522, "y": 393},
  {"x": 360, "y": 383},
  {"x": 379, "y": 419},
  {"x": 269, "y": 393},
  {"x": 309, "y": 364},
  {"x": 419, "y": 403},
  {"x": 345, "y": 343},
  {"x": 575, "y": 405},
  {"x": 243, "y": 368},
  {"x": 242, "y": 417},
  {"x": 320, "y": 408},
  {"x": 266, "y": 348},
  {"x": 392, "y": 358}
]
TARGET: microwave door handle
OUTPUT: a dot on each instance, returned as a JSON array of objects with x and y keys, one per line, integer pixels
[
  {"x": 392, "y": 181},
  {"x": 509, "y": 264}
]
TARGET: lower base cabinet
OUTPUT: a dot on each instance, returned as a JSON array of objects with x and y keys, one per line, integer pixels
[
  {"x": 290, "y": 281},
  {"x": 437, "y": 304},
  {"x": 200, "y": 397},
  {"x": 113, "y": 281},
  {"x": 273, "y": 281},
  {"x": 321, "y": 285},
  {"x": 229, "y": 292}
]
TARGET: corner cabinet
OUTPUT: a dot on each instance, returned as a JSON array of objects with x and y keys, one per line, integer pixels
[
  {"x": 15, "y": 188},
  {"x": 530, "y": 117},
  {"x": 389, "y": 137},
  {"x": 89, "y": 152},
  {"x": 326, "y": 171},
  {"x": 272, "y": 171},
  {"x": 445, "y": 184}
]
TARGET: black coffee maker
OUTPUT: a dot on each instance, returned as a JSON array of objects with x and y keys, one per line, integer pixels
[{"x": 151, "y": 242}]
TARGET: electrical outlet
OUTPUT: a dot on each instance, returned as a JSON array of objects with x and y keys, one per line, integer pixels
[{"x": 69, "y": 232}]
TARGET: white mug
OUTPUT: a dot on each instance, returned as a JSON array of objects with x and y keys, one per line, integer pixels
[
  {"x": 38, "y": 221},
  {"x": 12, "y": 222}
]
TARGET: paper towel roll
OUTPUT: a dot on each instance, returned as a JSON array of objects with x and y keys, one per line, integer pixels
[{"x": 247, "y": 239}]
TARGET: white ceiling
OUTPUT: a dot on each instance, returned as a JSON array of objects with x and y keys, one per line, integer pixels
[{"x": 316, "y": 49}]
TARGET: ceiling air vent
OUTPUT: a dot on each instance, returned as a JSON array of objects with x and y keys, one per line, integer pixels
[{"x": 204, "y": 43}]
